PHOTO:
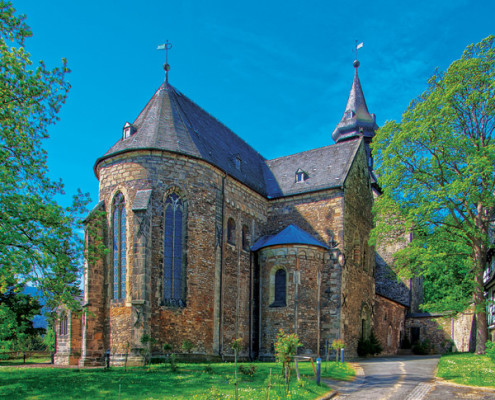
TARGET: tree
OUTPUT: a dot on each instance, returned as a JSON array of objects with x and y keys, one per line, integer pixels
[
  {"x": 38, "y": 243},
  {"x": 16, "y": 313},
  {"x": 436, "y": 169}
]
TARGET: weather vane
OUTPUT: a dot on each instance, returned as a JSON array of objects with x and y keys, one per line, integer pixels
[
  {"x": 166, "y": 46},
  {"x": 358, "y": 46}
]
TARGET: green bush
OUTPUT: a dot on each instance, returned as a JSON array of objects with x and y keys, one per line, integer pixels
[
  {"x": 490, "y": 350},
  {"x": 370, "y": 346},
  {"x": 422, "y": 348},
  {"x": 248, "y": 370}
]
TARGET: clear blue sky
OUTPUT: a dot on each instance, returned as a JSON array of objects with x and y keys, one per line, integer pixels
[{"x": 277, "y": 73}]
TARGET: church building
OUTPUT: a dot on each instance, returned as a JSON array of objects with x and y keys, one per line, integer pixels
[{"x": 208, "y": 242}]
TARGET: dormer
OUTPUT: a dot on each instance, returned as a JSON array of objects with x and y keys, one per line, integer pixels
[
  {"x": 301, "y": 176},
  {"x": 237, "y": 162},
  {"x": 128, "y": 130}
]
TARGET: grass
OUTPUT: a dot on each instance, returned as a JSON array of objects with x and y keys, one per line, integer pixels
[
  {"x": 29, "y": 360},
  {"x": 467, "y": 369},
  {"x": 191, "y": 381}
]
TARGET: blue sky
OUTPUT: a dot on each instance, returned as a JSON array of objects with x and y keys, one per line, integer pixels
[{"x": 277, "y": 73}]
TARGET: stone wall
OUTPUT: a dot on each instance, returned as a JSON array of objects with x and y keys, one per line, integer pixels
[
  {"x": 68, "y": 345},
  {"x": 304, "y": 266},
  {"x": 218, "y": 274},
  {"x": 358, "y": 289},
  {"x": 444, "y": 332},
  {"x": 389, "y": 324}
]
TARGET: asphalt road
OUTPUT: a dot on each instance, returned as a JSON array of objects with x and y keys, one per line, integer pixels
[{"x": 403, "y": 378}]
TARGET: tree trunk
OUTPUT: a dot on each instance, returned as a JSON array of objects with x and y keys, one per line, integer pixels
[{"x": 480, "y": 258}]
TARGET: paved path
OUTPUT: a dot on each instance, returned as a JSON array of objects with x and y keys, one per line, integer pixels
[
  {"x": 403, "y": 378},
  {"x": 390, "y": 378}
]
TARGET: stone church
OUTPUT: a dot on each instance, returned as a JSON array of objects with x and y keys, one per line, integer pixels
[{"x": 208, "y": 241}]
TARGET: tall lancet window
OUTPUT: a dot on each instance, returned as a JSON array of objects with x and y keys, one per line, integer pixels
[
  {"x": 119, "y": 247},
  {"x": 174, "y": 283}
]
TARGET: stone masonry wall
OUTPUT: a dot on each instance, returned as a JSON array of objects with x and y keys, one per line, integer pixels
[
  {"x": 301, "y": 314},
  {"x": 358, "y": 289},
  {"x": 217, "y": 274},
  {"x": 442, "y": 332},
  {"x": 389, "y": 324}
]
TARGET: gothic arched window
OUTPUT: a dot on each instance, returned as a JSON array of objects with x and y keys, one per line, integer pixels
[
  {"x": 174, "y": 282},
  {"x": 119, "y": 247},
  {"x": 63, "y": 325},
  {"x": 231, "y": 231},
  {"x": 280, "y": 293}
]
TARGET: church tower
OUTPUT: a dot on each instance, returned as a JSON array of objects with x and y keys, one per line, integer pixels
[{"x": 356, "y": 121}]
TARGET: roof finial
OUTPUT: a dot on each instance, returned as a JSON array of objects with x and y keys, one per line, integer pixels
[
  {"x": 166, "y": 46},
  {"x": 356, "y": 61}
]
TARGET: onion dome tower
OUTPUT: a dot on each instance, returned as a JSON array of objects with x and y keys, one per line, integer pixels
[{"x": 357, "y": 121}]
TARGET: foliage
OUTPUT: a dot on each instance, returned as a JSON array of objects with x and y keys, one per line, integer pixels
[
  {"x": 490, "y": 350},
  {"x": 467, "y": 369},
  {"x": 248, "y": 370},
  {"x": 17, "y": 311},
  {"x": 369, "y": 346},
  {"x": 422, "y": 347},
  {"x": 437, "y": 171},
  {"x": 337, "y": 345},
  {"x": 37, "y": 237},
  {"x": 159, "y": 382},
  {"x": 187, "y": 346},
  {"x": 286, "y": 347}
]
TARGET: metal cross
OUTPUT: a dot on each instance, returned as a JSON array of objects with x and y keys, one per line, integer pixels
[{"x": 166, "y": 46}]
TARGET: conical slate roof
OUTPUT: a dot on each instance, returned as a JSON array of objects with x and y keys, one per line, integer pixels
[
  {"x": 289, "y": 235},
  {"x": 356, "y": 119},
  {"x": 172, "y": 122}
]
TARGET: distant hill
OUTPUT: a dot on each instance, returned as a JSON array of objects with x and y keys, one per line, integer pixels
[{"x": 39, "y": 321}]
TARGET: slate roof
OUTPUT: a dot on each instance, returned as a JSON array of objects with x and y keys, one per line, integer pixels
[
  {"x": 362, "y": 121},
  {"x": 289, "y": 235},
  {"x": 172, "y": 122},
  {"x": 327, "y": 167},
  {"x": 387, "y": 285}
]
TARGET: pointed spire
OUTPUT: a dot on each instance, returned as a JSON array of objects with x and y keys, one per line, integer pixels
[{"x": 356, "y": 121}]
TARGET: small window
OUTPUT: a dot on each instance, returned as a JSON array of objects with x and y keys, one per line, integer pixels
[
  {"x": 128, "y": 130},
  {"x": 301, "y": 176},
  {"x": 231, "y": 231},
  {"x": 280, "y": 293},
  {"x": 62, "y": 329},
  {"x": 238, "y": 162},
  {"x": 349, "y": 114},
  {"x": 245, "y": 238}
]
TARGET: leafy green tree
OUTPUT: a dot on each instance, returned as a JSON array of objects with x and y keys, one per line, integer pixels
[
  {"x": 37, "y": 236},
  {"x": 437, "y": 171},
  {"x": 17, "y": 311}
]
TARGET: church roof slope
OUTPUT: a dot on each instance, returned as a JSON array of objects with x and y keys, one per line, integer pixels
[
  {"x": 387, "y": 284},
  {"x": 289, "y": 235},
  {"x": 324, "y": 168},
  {"x": 172, "y": 122}
]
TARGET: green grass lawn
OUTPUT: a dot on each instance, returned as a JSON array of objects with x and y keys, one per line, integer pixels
[
  {"x": 467, "y": 369},
  {"x": 191, "y": 381}
]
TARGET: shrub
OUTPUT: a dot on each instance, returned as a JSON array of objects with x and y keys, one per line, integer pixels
[
  {"x": 248, "y": 370},
  {"x": 422, "y": 348},
  {"x": 370, "y": 346},
  {"x": 490, "y": 350},
  {"x": 187, "y": 346}
]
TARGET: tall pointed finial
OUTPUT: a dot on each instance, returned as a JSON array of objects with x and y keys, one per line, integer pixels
[{"x": 166, "y": 46}]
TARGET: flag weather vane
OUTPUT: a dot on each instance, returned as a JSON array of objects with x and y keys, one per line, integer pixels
[
  {"x": 166, "y": 46},
  {"x": 358, "y": 46}
]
